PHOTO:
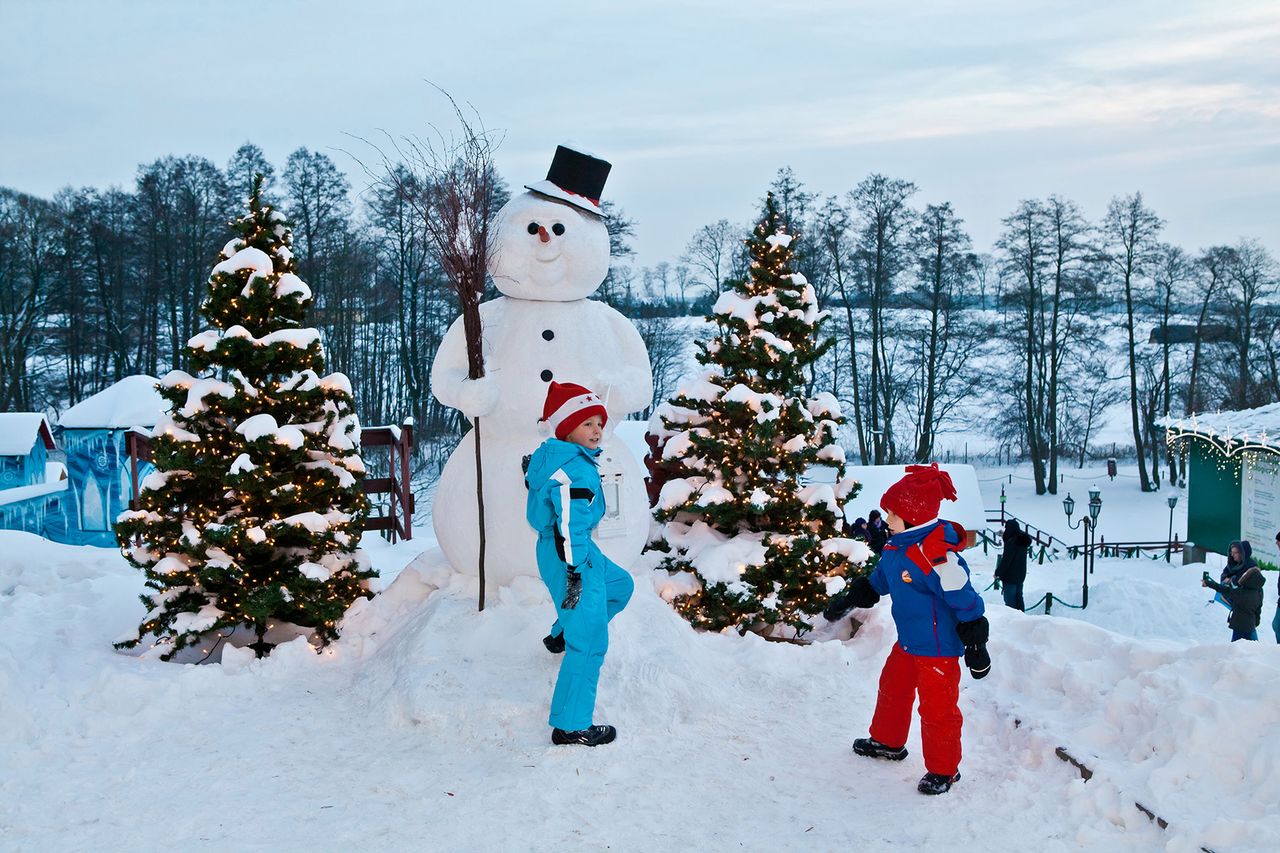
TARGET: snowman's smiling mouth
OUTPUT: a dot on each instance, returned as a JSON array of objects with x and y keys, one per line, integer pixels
[{"x": 547, "y": 260}]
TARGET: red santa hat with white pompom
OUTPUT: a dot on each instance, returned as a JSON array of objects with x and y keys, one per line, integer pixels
[{"x": 567, "y": 406}]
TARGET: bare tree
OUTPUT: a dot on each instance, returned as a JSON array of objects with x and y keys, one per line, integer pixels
[
  {"x": 26, "y": 240},
  {"x": 883, "y": 236},
  {"x": 945, "y": 375},
  {"x": 1173, "y": 271},
  {"x": 832, "y": 241},
  {"x": 1251, "y": 280},
  {"x": 1213, "y": 264},
  {"x": 1024, "y": 245},
  {"x": 1130, "y": 231},
  {"x": 710, "y": 254}
]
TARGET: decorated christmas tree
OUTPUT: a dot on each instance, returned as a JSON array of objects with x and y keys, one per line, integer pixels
[
  {"x": 254, "y": 513},
  {"x": 753, "y": 508}
]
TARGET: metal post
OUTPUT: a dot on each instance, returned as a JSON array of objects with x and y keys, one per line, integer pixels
[{"x": 1088, "y": 565}]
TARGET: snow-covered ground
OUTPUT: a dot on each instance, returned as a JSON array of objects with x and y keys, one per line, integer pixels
[{"x": 424, "y": 727}]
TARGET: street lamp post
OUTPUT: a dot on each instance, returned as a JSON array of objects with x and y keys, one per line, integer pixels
[
  {"x": 1168, "y": 551},
  {"x": 1002, "y": 498},
  {"x": 1090, "y": 524}
]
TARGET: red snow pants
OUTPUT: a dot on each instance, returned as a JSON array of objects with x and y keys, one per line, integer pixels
[{"x": 938, "y": 682}]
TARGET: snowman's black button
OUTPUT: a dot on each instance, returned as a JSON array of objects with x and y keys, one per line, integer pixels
[
  {"x": 546, "y": 376},
  {"x": 547, "y": 334}
]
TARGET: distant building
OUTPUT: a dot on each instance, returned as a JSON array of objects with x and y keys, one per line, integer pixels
[
  {"x": 1233, "y": 477},
  {"x": 97, "y": 464},
  {"x": 25, "y": 442},
  {"x": 1210, "y": 333},
  {"x": 33, "y": 490}
]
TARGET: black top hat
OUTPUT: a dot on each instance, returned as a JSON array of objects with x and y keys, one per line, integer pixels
[{"x": 575, "y": 178}]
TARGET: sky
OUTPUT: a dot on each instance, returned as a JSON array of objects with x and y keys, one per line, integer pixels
[{"x": 696, "y": 103}]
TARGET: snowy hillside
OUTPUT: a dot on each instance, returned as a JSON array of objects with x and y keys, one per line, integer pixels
[{"x": 424, "y": 728}]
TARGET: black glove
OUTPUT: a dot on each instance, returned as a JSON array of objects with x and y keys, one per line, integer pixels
[
  {"x": 572, "y": 589},
  {"x": 974, "y": 635},
  {"x": 978, "y": 661},
  {"x": 860, "y": 593}
]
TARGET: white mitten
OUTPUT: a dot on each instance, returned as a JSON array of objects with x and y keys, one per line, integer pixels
[{"x": 478, "y": 398}]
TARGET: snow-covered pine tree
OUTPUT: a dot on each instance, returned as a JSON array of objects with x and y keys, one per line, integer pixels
[
  {"x": 255, "y": 510},
  {"x": 753, "y": 545}
]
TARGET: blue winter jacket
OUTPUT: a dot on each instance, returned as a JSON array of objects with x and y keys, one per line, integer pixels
[
  {"x": 928, "y": 582},
  {"x": 565, "y": 499}
]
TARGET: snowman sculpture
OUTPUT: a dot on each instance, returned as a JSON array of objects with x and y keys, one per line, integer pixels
[{"x": 548, "y": 253}]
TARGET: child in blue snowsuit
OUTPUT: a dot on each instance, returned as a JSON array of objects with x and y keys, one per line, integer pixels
[
  {"x": 565, "y": 504},
  {"x": 939, "y": 617}
]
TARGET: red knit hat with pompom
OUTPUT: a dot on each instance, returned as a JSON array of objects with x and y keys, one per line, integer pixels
[
  {"x": 568, "y": 405},
  {"x": 917, "y": 496}
]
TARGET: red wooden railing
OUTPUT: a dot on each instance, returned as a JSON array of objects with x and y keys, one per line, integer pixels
[{"x": 397, "y": 439}]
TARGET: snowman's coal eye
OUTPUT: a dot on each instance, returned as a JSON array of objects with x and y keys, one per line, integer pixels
[
  {"x": 533, "y": 228},
  {"x": 557, "y": 229}
]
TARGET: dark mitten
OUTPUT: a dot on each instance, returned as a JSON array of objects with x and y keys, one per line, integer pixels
[
  {"x": 974, "y": 635},
  {"x": 572, "y": 590},
  {"x": 860, "y": 593},
  {"x": 978, "y": 661}
]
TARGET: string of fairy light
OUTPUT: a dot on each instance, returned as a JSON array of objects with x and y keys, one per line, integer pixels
[
  {"x": 246, "y": 542},
  {"x": 1225, "y": 450},
  {"x": 796, "y": 529}
]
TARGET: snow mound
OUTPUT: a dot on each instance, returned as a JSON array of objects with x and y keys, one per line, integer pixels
[{"x": 436, "y": 716}]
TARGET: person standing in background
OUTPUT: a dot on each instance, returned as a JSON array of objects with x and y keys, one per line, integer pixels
[
  {"x": 877, "y": 531},
  {"x": 1011, "y": 567},
  {"x": 1241, "y": 588}
]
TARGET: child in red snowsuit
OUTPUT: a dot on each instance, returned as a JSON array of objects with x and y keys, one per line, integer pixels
[{"x": 939, "y": 618}]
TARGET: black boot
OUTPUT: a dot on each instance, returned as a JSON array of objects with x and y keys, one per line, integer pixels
[
  {"x": 936, "y": 783},
  {"x": 594, "y": 736},
  {"x": 554, "y": 643},
  {"x": 873, "y": 748}
]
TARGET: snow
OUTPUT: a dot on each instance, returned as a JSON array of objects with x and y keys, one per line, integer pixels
[
  {"x": 446, "y": 708},
  {"x": 290, "y": 285},
  {"x": 247, "y": 258},
  {"x": 209, "y": 339},
  {"x": 133, "y": 401},
  {"x": 19, "y": 432},
  {"x": 35, "y": 490},
  {"x": 716, "y": 557},
  {"x": 1260, "y": 426},
  {"x": 264, "y": 425},
  {"x": 779, "y": 240}
]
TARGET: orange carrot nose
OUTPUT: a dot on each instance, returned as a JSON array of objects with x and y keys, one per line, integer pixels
[{"x": 543, "y": 235}]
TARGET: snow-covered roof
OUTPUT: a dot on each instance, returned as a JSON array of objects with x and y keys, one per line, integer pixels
[
  {"x": 133, "y": 401},
  {"x": 35, "y": 490},
  {"x": 19, "y": 431},
  {"x": 1235, "y": 430}
]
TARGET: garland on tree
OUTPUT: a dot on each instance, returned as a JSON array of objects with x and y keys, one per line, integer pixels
[
  {"x": 254, "y": 513},
  {"x": 750, "y": 546}
]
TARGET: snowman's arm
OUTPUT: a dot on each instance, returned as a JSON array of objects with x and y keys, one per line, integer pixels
[
  {"x": 450, "y": 367},
  {"x": 628, "y": 379}
]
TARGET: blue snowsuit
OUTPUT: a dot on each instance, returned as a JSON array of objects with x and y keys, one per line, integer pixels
[{"x": 565, "y": 504}]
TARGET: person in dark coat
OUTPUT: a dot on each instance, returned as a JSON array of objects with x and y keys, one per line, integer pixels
[
  {"x": 1241, "y": 587},
  {"x": 858, "y": 530},
  {"x": 877, "y": 531},
  {"x": 1011, "y": 567}
]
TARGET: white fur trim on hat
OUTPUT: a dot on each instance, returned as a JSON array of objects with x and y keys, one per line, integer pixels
[{"x": 571, "y": 407}]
